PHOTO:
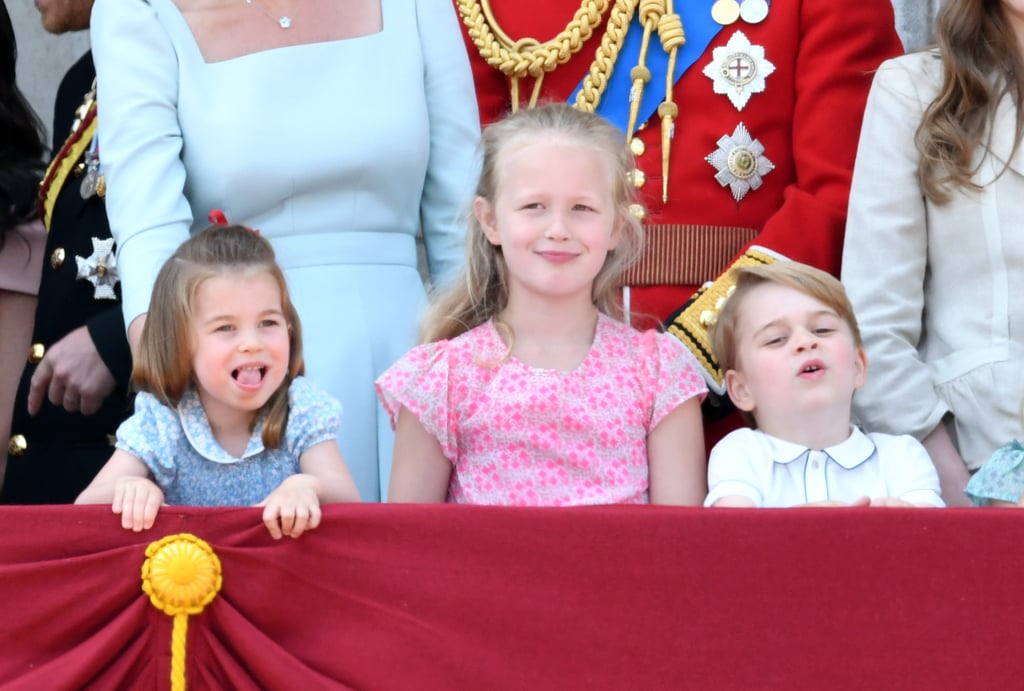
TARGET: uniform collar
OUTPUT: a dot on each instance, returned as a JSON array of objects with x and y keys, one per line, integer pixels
[
  {"x": 199, "y": 434},
  {"x": 850, "y": 453}
]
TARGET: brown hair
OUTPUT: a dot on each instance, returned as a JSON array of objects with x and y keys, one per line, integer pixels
[
  {"x": 982, "y": 63},
  {"x": 482, "y": 291},
  {"x": 808, "y": 280},
  {"x": 164, "y": 363}
]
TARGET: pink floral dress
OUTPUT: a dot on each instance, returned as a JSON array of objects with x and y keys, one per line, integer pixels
[{"x": 521, "y": 435}]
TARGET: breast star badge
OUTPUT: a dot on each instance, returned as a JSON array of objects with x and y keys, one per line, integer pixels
[
  {"x": 740, "y": 162},
  {"x": 100, "y": 269},
  {"x": 738, "y": 69}
]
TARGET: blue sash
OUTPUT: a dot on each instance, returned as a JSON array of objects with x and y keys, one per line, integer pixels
[{"x": 700, "y": 29}]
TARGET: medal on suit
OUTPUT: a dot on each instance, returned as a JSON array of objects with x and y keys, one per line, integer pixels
[
  {"x": 740, "y": 162},
  {"x": 726, "y": 12},
  {"x": 91, "y": 178},
  {"x": 738, "y": 69}
]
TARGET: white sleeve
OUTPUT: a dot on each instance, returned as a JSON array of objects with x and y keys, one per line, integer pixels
[
  {"x": 885, "y": 255},
  {"x": 453, "y": 166},
  {"x": 734, "y": 468},
  {"x": 909, "y": 472},
  {"x": 140, "y": 143}
]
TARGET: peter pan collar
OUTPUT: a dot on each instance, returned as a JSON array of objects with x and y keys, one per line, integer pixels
[
  {"x": 196, "y": 427},
  {"x": 856, "y": 449}
]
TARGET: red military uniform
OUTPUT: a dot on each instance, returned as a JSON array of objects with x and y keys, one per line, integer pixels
[{"x": 813, "y": 60}]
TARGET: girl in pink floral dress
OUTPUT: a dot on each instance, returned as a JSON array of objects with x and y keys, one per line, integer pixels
[{"x": 529, "y": 391}]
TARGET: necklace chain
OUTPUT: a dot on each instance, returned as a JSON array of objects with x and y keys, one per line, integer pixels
[{"x": 283, "y": 22}]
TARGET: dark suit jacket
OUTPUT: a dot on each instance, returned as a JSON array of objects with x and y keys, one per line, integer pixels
[{"x": 65, "y": 450}]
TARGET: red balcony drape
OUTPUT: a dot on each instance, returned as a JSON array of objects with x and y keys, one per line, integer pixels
[{"x": 457, "y": 597}]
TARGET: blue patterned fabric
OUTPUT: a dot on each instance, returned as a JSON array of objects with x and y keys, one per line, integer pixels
[
  {"x": 178, "y": 447},
  {"x": 1001, "y": 478}
]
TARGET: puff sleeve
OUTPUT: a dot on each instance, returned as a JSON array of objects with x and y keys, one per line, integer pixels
[
  {"x": 314, "y": 416},
  {"x": 421, "y": 382},
  {"x": 152, "y": 434},
  {"x": 673, "y": 375}
]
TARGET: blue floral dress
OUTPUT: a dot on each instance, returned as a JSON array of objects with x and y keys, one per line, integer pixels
[
  {"x": 178, "y": 447},
  {"x": 1002, "y": 478}
]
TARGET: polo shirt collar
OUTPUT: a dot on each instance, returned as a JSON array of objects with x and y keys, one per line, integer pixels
[{"x": 856, "y": 449}]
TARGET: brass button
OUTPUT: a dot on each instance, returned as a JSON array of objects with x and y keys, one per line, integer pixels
[
  {"x": 637, "y": 178},
  {"x": 57, "y": 258},
  {"x": 638, "y": 211},
  {"x": 18, "y": 445},
  {"x": 637, "y": 146},
  {"x": 36, "y": 353}
]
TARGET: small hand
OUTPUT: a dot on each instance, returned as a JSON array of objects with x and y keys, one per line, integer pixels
[
  {"x": 73, "y": 374},
  {"x": 889, "y": 501},
  {"x": 292, "y": 508},
  {"x": 859, "y": 501},
  {"x": 137, "y": 499}
]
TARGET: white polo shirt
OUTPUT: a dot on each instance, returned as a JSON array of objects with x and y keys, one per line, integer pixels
[{"x": 772, "y": 472}]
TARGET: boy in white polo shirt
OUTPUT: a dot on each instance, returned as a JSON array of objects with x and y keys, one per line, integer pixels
[{"x": 788, "y": 342}]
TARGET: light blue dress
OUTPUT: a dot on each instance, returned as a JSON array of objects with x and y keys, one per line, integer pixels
[
  {"x": 1001, "y": 478},
  {"x": 192, "y": 469},
  {"x": 338, "y": 152}
]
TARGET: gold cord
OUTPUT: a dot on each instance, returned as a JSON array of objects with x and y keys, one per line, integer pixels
[
  {"x": 670, "y": 30},
  {"x": 529, "y": 57}
]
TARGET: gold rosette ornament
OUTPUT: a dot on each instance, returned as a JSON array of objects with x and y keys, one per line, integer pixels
[{"x": 181, "y": 575}]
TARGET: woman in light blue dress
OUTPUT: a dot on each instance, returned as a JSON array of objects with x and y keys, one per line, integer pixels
[{"x": 340, "y": 131}]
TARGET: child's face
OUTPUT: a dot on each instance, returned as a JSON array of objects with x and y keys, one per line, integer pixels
[
  {"x": 794, "y": 356},
  {"x": 554, "y": 217},
  {"x": 240, "y": 343}
]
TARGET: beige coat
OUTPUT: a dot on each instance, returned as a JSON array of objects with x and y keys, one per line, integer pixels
[{"x": 938, "y": 290}]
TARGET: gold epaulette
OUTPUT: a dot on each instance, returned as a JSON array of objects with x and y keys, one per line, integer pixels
[
  {"x": 691, "y": 322},
  {"x": 64, "y": 162}
]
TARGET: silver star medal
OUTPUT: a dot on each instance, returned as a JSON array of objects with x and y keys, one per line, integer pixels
[
  {"x": 740, "y": 162},
  {"x": 738, "y": 69},
  {"x": 100, "y": 268}
]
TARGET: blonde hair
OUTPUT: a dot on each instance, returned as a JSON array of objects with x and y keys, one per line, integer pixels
[
  {"x": 982, "y": 63},
  {"x": 164, "y": 363},
  {"x": 482, "y": 291},
  {"x": 822, "y": 286}
]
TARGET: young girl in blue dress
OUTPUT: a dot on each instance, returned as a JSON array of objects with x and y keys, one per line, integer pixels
[
  {"x": 530, "y": 390},
  {"x": 224, "y": 417}
]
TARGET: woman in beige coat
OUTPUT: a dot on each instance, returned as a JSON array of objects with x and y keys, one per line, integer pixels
[{"x": 934, "y": 251}]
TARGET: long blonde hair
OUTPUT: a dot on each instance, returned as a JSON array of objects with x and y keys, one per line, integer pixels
[
  {"x": 982, "y": 63},
  {"x": 482, "y": 291},
  {"x": 164, "y": 365}
]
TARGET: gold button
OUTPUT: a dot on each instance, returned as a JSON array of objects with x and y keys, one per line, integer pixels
[
  {"x": 637, "y": 146},
  {"x": 36, "y": 353},
  {"x": 638, "y": 211},
  {"x": 637, "y": 178},
  {"x": 18, "y": 445},
  {"x": 57, "y": 258}
]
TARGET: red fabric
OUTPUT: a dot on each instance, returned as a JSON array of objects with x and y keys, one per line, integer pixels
[
  {"x": 807, "y": 118},
  {"x": 443, "y": 597}
]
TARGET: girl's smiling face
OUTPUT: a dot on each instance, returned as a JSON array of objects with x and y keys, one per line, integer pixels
[{"x": 554, "y": 217}]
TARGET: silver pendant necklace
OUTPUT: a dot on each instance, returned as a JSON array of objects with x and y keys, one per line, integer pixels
[{"x": 283, "y": 22}]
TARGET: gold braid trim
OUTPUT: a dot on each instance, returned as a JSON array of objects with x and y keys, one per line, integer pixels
[
  {"x": 670, "y": 30},
  {"x": 529, "y": 57},
  {"x": 63, "y": 164},
  {"x": 601, "y": 69}
]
